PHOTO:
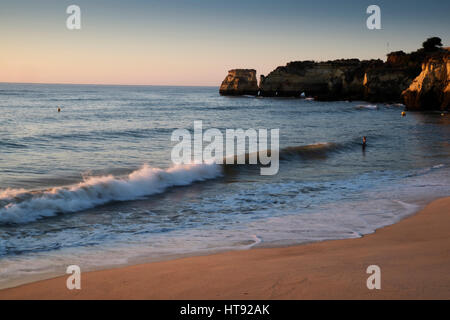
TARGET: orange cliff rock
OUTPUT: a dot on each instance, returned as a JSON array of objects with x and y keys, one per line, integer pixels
[
  {"x": 240, "y": 82},
  {"x": 430, "y": 90},
  {"x": 420, "y": 79}
]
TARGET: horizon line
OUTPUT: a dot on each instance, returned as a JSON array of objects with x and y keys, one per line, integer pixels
[{"x": 108, "y": 84}]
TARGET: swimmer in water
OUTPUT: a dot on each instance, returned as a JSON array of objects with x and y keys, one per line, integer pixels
[{"x": 364, "y": 142}]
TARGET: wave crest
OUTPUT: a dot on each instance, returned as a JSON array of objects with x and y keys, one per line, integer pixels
[{"x": 20, "y": 206}]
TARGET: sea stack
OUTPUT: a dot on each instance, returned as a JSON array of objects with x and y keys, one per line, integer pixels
[
  {"x": 240, "y": 82},
  {"x": 430, "y": 90},
  {"x": 420, "y": 79}
]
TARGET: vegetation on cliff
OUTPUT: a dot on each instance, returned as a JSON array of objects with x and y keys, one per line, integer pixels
[{"x": 353, "y": 79}]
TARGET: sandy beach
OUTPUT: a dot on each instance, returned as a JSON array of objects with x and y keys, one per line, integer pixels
[
  {"x": 171, "y": 151},
  {"x": 414, "y": 257}
]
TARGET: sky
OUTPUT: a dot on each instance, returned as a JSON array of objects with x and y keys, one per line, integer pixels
[{"x": 195, "y": 42}]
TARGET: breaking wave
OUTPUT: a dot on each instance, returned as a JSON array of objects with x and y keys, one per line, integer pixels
[
  {"x": 21, "y": 206},
  {"x": 318, "y": 150},
  {"x": 311, "y": 151}
]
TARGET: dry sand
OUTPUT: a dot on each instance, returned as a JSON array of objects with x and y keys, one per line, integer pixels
[{"x": 414, "y": 257}]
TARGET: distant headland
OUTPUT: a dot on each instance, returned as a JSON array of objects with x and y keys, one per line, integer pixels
[{"x": 420, "y": 79}]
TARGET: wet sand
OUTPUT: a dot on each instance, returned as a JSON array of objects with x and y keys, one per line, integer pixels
[{"x": 414, "y": 257}]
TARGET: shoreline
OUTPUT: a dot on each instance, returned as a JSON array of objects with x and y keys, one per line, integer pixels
[
  {"x": 413, "y": 254},
  {"x": 13, "y": 283}
]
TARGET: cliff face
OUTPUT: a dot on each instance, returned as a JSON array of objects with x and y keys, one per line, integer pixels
[
  {"x": 331, "y": 80},
  {"x": 431, "y": 89},
  {"x": 386, "y": 82},
  {"x": 420, "y": 79},
  {"x": 240, "y": 82},
  {"x": 351, "y": 79},
  {"x": 385, "y": 85}
]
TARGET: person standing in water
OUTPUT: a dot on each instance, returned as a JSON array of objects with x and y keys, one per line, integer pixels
[{"x": 364, "y": 142}]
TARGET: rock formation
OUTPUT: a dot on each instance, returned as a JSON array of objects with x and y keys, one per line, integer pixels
[
  {"x": 331, "y": 80},
  {"x": 431, "y": 89},
  {"x": 350, "y": 79},
  {"x": 240, "y": 82},
  {"x": 420, "y": 79},
  {"x": 386, "y": 82}
]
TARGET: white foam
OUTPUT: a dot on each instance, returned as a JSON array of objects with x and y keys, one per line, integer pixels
[
  {"x": 302, "y": 218},
  {"x": 409, "y": 207},
  {"x": 368, "y": 106},
  {"x": 94, "y": 191}
]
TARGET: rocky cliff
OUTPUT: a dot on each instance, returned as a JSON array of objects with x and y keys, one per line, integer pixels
[
  {"x": 430, "y": 90},
  {"x": 331, "y": 80},
  {"x": 420, "y": 79},
  {"x": 240, "y": 82},
  {"x": 386, "y": 82},
  {"x": 350, "y": 79}
]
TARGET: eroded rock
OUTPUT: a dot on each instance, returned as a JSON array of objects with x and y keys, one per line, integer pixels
[
  {"x": 331, "y": 80},
  {"x": 240, "y": 82},
  {"x": 420, "y": 79},
  {"x": 430, "y": 90}
]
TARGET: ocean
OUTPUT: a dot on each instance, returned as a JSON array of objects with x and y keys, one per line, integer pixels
[{"x": 94, "y": 185}]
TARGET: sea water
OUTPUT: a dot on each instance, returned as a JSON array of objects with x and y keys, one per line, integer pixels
[{"x": 94, "y": 185}]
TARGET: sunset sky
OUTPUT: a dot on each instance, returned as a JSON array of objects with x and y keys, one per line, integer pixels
[{"x": 195, "y": 42}]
